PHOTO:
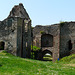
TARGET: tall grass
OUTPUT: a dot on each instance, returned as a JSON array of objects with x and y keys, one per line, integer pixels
[{"x": 12, "y": 65}]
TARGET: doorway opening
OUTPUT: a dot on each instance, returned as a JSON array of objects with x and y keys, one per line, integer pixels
[
  {"x": 2, "y": 45},
  {"x": 47, "y": 55},
  {"x": 69, "y": 45}
]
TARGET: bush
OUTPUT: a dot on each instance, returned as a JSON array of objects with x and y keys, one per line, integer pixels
[
  {"x": 34, "y": 53},
  {"x": 35, "y": 48},
  {"x": 42, "y": 32},
  {"x": 62, "y": 23}
]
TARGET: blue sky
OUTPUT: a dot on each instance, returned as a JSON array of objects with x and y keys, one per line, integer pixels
[{"x": 42, "y": 12}]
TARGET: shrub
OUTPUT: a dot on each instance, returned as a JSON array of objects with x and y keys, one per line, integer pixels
[
  {"x": 35, "y": 48},
  {"x": 34, "y": 53},
  {"x": 62, "y": 23},
  {"x": 42, "y": 32}
]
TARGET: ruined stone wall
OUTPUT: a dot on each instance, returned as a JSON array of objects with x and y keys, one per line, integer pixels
[
  {"x": 19, "y": 11},
  {"x": 28, "y": 39},
  {"x": 15, "y": 32},
  {"x": 24, "y": 38},
  {"x": 8, "y": 33},
  {"x": 19, "y": 37},
  {"x": 67, "y": 34},
  {"x": 52, "y": 30},
  {"x": 16, "y": 36}
]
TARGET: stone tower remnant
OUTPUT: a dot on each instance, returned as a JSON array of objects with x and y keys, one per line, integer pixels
[{"x": 15, "y": 32}]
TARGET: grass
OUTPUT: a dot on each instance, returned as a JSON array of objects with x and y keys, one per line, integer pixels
[{"x": 12, "y": 65}]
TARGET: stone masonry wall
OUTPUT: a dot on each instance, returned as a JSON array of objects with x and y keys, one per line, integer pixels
[
  {"x": 13, "y": 32},
  {"x": 67, "y": 33},
  {"x": 52, "y": 30},
  {"x": 8, "y": 32}
]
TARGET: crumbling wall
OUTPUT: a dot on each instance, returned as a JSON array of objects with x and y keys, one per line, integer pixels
[
  {"x": 67, "y": 33},
  {"x": 19, "y": 11},
  {"x": 13, "y": 32},
  {"x": 8, "y": 33},
  {"x": 24, "y": 38},
  {"x": 53, "y": 30}
]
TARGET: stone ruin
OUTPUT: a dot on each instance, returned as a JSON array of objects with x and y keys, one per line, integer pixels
[
  {"x": 57, "y": 40},
  {"x": 15, "y": 32},
  {"x": 15, "y": 36}
]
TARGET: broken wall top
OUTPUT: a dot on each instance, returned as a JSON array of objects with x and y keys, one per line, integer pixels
[
  {"x": 19, "y": 11},
  {"x": 51, "y": 29}
]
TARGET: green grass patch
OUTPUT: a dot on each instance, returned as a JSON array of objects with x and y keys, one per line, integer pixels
[
  {"x": 12, "y": 65},
  {"x": 70, "y": 58}
]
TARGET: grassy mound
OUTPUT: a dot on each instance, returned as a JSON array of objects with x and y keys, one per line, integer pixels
[
  {"x": 70, "y": 58},
  {"x": 12, "y": 65}
]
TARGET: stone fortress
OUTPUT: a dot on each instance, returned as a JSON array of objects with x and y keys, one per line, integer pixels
[{"x": 16, "y": 38}]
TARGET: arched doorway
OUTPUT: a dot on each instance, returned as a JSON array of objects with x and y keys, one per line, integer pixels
[
  {"x": 47, "y": 55},
  {"x": 69, "y": 45},
  {"x": 2, "y": 45},
  {"x": 46, "y": 40}
]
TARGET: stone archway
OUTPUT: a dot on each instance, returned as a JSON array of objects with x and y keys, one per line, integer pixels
[{"x": 48, "y": 55}]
